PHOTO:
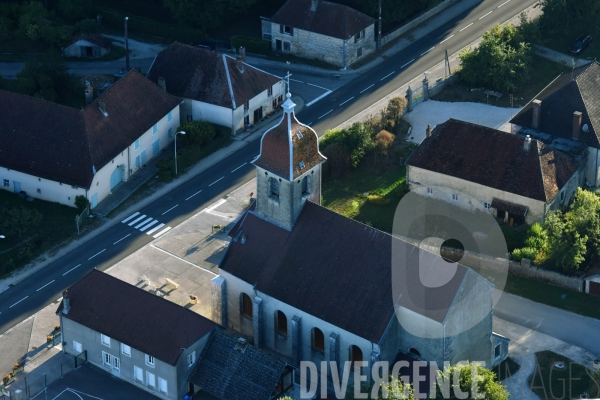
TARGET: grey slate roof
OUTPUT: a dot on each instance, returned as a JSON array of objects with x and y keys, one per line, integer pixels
[
  {"x": 562, "y": 98},
  {"x": 231, "y": 374}
]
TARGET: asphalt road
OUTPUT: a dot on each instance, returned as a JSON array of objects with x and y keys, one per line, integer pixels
[{"x": 119, "y": 241}]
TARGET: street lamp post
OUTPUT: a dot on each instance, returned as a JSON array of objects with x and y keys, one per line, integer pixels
[{"x": 183, "y": 133}]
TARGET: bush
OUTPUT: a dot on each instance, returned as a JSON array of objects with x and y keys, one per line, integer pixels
[
  {"x": 165, "y": 175},
  {"x": 338, "y": 161},
  {"x": 357, "y": 140},
  {"x": 197, "y": 132},
  {"x": 165, "y": 163},
  {"x": 252, "y": 44},
  {"x": 81, "y": 202}
]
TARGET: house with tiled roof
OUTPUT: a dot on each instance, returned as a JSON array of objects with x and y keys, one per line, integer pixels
[
  {"x": 518, "y": 179},
  {"x": 87, "y": 45},
  {"x": 312, "y": 285},
  {"x": 133, "y": 334},
  {"x": 217, "y": 87},
  {"x": 322, "y": 30},
  {"x": 566, "y": 116},
  {"x": 55, "y": 153}
]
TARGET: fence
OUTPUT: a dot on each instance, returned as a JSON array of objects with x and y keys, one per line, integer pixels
[
  {"x": 34, "y": 388},
  {"x": 81, "y": 218}
]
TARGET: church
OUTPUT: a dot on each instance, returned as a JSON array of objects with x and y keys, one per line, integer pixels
[{"x": 307, "y": 284}]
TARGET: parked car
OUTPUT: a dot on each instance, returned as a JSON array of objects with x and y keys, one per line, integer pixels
[{"x": 580, "y": 44}]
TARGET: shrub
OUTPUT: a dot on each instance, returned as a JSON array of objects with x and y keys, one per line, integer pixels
[
  {"x": 197, "y": 132},
  {"x": 81, "y": 202},
  {"x": 165, "y": 175},
  {"x": 165, "y": 163}
]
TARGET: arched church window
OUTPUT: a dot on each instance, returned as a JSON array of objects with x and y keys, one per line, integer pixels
[{"x": 246, "y": 305}]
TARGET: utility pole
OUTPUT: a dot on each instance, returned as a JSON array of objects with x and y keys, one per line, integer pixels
[
  {"x": 379, "y": 28},
  {"x": 126, "y": 47}
]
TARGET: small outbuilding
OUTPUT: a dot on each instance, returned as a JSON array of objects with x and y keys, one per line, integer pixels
[{"x": 87, "y": 45}]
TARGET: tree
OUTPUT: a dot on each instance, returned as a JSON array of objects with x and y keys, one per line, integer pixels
[
  {"x": 47, "y": 78},
  {"x": 568, "y": 247},
  {"x": 197, "y": 132},
  {"x": 19, "y": 220},
  {"x": 81, "y": 202},
  {"x": 74, "y": 10},
  {"x": 486, "y": 383},
  {"x": 206, "y": 14},
  {"x": 394, "y": 112},
  {"x": 500, "y": 61},
  {"x": 338, "y": 161},
  {"x": 87, "y": 25},
  {"x": 383, "y": 142},
  {"x": 357, "y": 140}
]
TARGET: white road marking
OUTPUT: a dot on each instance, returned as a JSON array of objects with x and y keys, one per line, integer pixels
[
  {"x": 157, "y": 227},
  {"x": 216, "y": 181},
  {"x": 466, "y": 27},
  {"x": 449, "y": 37},
  {"x": 18, "y": 302},
  {"x": 143, "y": 228},
  {"x": 367, "y": 88},
  {"x": 45, "y": 285},
  {"x": 168, "y": 210},
  {"x": 407, "y": 63},
  {"x": 503, "y": 4},
  {"x": 341, "y": 104},
  {"x": 320, "y": 87},
  {"x": 295, "y": 80},
  {"x": 422, "y": 54},
  {"x": 239, "y": 167},
  {"x": 309, "y": 124},
  {"x": 485, "y": 15},
  {"x": 325, "y": 114},
  {"x": 138, "y": 226},
  {"x": 74, "y": 268},
  {"x": 96, "y": 254},
  {"x": 129, "y": 234},
  {"x": 167, "y": 229},
  {"x": 137, "y": 220},
  {"x": 388, "y": 75},
  {"x": 131, "y": 216},
  {"x": 193, "y": 195},
  {"x": 217, "y": 204},
  {"x": 310, "y": 103}
]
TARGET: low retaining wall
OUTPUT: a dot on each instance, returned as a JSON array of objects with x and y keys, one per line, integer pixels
[{"x": 416, "y": 21}]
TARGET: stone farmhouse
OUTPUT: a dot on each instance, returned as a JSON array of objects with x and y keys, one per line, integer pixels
[
  {"x": 217, "y": 87},
  {"x": 311, "y": 285},
  {"x": 54, "y": 153},
  {"x": 566, "y": 116},
  {"x": 518, "y": 179},
  {"x": 321, "y": 30}
]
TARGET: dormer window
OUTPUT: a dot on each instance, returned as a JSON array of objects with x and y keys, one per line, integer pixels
[
  {"x": 301, "y": 164},
  {"x": 299, "y": 135}
]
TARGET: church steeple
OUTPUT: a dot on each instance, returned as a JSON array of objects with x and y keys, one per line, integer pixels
[{"x": 288, "y": 169}]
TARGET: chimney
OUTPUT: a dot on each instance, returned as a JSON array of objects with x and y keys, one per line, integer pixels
[
  {"x": 102, "y": 108},
  {"x": 89, "y": 95},
  {"x": 537, "y": 110},
  {"x": 313, "y": 5},
  {"x": 429, "y": 131},
  {"x": 527, "y": 143},
  {"x": 241, "y": 345},
  {"x": 576, "y": 124},
  {"x": 162, "y": 83},
  {"x": 66, "y": 302}
]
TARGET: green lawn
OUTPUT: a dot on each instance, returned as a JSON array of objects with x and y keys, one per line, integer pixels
[
  {"x": 543, "y": 72},
  {"x": 349, "y": 196},
  {"x": 548, "y": 382}
]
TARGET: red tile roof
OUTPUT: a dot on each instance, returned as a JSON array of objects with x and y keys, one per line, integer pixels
[
  {"x": 330, "y": 19},
  {"x": 209, "y": 76},
  {"x": 495, "y": 159},
  {"x": 131, "y": 315},
  {"x": 94, "y": 38}
]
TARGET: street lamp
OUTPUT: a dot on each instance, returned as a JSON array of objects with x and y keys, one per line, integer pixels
[
  {"x": 1, "y": 236},
  {"x": 183, "y": 133}
]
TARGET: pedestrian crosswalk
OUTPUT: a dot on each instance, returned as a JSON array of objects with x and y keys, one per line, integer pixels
[{"x": 143, "y": 222}]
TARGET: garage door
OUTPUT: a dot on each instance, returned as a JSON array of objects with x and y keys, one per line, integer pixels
[{"x": 595, "y": 288}]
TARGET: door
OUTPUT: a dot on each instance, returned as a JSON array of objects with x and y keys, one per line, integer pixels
[
  {"x": 595, "y": 288},
  {"x": 116, "y": 366},
  {"x": 143, "y": 157},
  {"x": 115, "y": 178},
  {"x": 277, "y": 45},
  {"x": 95, "y": 200},
  {"x": 155, "y": 148},
  {"x": 257, "y": 115},
  {"x": 17, "y": 186}
]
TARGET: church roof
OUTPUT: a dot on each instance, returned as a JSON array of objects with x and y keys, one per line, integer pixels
[
  {"x": 578, "y": 90},
  {"x": 290, "y": 148},
  {"x": 333, "y": 268}
]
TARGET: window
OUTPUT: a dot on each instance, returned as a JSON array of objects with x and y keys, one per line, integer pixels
[
  {"x": 40, "y": 191},
  {"x": 287, "y": 46},
  {"x": 138, "y": 374},
  {"x": 301, "y": 164},
  {"x": 487, "y": 205},
  {"x": 318, "y": 340},
  {"x": 150, "y": 379},
  {"x": 106, "y": 359},
  {"x": 359, "y": 52},
  {"x": 270, "y": 91},
  {"x": 170, "y": 132},
  {"x": 359, "y": 36},
  {"x": 136, "y": 145},
  {"x": 149, "y": 360},
  {"x": 246, "y": 306},
  {"x": 429, "y": 190},
  {"x": 125, "y": 349},
  {"x": 497, "y": 351},
  {"x": 288, "y": 30},
  {"x": 105, "y": 340},
  {"x": 299, "y": 135},
  {"x": 191, "y": 359},
  {"x": 562, "y": 195},
  {"x": 162, "y": 385},
  {"x": 169, "y": 116},
  {"x": 77, "y": 348},
  {"x": 6, "y": 183},
  {"x": 306, "y": 185},
  {"x": 274, "y": 188},
  {"x": 155, "y": 129},
  {"x": 246, "y": 105},
  {"x": 454, "y": 197},
  {"x": 281, "y": 323},
  {"x": 355, "y": 354}
]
